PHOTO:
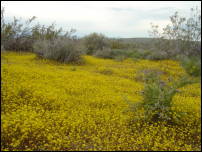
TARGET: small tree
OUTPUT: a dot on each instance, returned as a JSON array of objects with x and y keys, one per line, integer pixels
[
  {"x": 182, "y": 36},
  {"x": 42, "y": 32},
  {"x": 19, "y": 36},
  {"x": 16, "y": 35}
]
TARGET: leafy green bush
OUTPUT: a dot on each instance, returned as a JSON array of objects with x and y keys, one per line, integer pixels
[
  {"x": 157, "y": 98},
  {"x": 192, "y": 65},
  {"x": 61, "y": 49}
]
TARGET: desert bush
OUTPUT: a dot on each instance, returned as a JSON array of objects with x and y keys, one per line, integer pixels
[
  {"x": 15, "y": 35},
  {"x": 61, "y": 49},
  {"x": 138, "y": 53},
  {"x": 42, "y": 32},
  {"x": 20, "y": 36},
  {"x": 120, "y": 54},
  {"x": 94, "y": 42},
  {"x": 105, "y": 53},
  {"x": 157, "y": 55},
  {"x": 157, "y": 98},
  {"x": 117, "y": 44},
  {"x": 192, "y": 65}
]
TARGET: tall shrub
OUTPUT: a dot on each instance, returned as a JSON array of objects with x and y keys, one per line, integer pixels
[{"x": 181, "y": 36}]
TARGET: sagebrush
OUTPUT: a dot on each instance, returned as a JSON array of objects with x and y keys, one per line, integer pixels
[{"x": 61, "y": 49}]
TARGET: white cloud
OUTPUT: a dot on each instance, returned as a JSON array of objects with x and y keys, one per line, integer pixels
[{"x": 113, "y": 18}]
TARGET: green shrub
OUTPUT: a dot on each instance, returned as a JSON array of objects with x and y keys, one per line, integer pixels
[
  {"x": 157, "y": 55},
  {"x": 192, "y": 65},
  {"x": 62, "y": 50},
  {"x": 117, "y": 44},
  {"x": 138, "y": 54},
  {"x": 104, "y": 53},
  {"x": 157, "y": 98},
  {"x": 120, "y": 53},
  {"x": 94, "y": 42}
]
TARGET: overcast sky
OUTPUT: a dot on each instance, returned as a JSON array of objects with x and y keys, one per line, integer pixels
[{"x": 124, "y": 19}]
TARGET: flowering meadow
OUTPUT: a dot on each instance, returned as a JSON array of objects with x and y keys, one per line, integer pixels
[{"x": 47, "y": 105}]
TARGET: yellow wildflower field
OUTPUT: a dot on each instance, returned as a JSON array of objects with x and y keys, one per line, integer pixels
[{"x": 47, "y": 105}]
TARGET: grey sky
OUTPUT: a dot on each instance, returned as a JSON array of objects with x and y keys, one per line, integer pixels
[{"x": 112, "y": 18}]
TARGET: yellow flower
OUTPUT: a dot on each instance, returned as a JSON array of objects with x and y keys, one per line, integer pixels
[{"x": 48, "y": 106}]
